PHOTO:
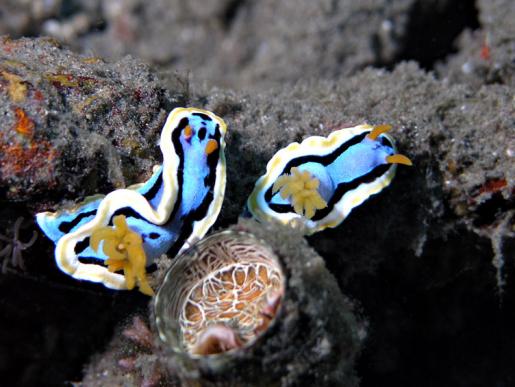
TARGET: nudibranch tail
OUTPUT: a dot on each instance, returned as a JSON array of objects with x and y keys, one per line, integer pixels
[
  {"x": 317, "y": 183},
  {"x": 175, "y": 207}
]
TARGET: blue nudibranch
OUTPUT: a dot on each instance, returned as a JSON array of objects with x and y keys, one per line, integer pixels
[
  {"x": 317, "y": 183},
  {"x": 175, "y": 207}
]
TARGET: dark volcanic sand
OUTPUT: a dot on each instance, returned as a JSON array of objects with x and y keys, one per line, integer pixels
[{"x": 428, "y": 263}]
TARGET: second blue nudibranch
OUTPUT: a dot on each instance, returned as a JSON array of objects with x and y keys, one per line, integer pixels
[{"x": 317, "y": 183}]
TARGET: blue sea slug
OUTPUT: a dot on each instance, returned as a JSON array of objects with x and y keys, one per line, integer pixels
[
  {"x": 170, "y": 211},
  {"x": 317, "y": 183}
]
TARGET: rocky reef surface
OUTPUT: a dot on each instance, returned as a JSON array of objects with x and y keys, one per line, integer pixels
[{"x": 428, "y": 263}]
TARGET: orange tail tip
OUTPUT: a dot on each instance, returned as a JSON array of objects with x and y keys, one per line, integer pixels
[
  {"x": 398, "y": 159},
  {"x": 378, "y": 130}
]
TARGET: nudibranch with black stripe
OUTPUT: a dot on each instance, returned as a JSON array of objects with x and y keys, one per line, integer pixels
[
  {"x": 317, "y": 183},
  {"x": 170, "y": 211}
]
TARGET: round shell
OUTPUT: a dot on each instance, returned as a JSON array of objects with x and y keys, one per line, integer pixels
[{"x": 227, "y": 280}]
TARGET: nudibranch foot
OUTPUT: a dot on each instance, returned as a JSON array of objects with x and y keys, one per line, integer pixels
[
  {"x": 176, "y": 206},
  {"x": 317, "y": 183}
]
